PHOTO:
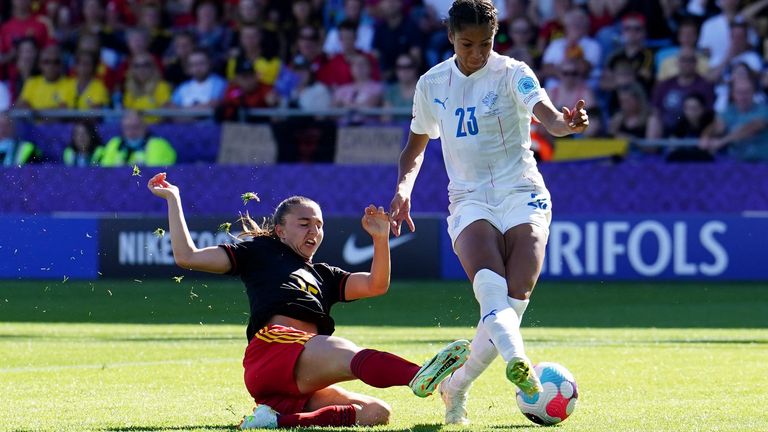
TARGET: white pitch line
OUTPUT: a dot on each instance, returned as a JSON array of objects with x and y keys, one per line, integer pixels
[{"x": 115, "y": 365}]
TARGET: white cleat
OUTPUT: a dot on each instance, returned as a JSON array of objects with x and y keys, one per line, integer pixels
[
  {"x": 455, "y": 405},
  {"x": 263, "y": 417}
]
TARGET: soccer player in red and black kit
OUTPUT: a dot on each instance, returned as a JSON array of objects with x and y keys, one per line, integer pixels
[{"x": 292, "y": 362}]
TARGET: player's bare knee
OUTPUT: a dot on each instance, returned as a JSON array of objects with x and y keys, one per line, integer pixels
[
  {"x": 520, "y": 289},
  {"x": 375, "y": 412}
]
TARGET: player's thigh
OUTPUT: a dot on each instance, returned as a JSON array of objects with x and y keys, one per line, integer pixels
[
  {"x": 325, "y": 360},
  {"x": 373, "y": 411},
  {"x": 525, "y": 245},
  {"x": 478, "y": 246}
]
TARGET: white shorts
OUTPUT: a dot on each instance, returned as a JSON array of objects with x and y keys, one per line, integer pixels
[{"x": 502, "y": 211}]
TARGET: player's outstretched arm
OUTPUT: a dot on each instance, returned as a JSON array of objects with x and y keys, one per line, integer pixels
[
  {"x": 410, "y": 163},
  {"x": 187, "y": 255},
  {"x": 361, "y": 285},
  {"x": 561, "y": 123}
]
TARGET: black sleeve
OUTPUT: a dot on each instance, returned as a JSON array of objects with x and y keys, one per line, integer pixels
[
  {"x": 337, "y": 284},
  {"x": 243, "y": 255}
]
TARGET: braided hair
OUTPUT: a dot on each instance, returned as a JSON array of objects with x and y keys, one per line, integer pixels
[{"x": 465, "y": 13}]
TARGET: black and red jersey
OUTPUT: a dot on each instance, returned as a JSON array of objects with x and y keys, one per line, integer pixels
[{"x": 279, "y": 281}]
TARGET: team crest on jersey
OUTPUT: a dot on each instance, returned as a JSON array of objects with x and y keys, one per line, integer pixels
[
  {"x": 490, "y": 99},
  {"x": 490, "y": 103},
  {"x": 526, "y": 85}
]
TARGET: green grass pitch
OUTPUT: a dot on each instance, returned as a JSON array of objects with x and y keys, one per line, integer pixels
[{"x": 160, "y": 355}]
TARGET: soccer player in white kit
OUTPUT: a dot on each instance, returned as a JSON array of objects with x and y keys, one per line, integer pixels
[{"x": 480, "y": 105}]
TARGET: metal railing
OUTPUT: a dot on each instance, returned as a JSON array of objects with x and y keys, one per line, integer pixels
[{"x": 205, "y": 113}]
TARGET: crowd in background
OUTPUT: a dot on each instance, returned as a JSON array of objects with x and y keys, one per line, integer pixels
[{"x": 649, "y": 69}]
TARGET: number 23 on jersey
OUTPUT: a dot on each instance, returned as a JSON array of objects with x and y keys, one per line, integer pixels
[{"x": 466, "y": 127}]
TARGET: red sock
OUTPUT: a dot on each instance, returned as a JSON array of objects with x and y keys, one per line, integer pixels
[
  {"x": 382, "y": 369},
  {"x": 332, "y": 415}
]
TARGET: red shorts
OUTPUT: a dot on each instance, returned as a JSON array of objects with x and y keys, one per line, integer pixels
[{"x": 269, "y": 363}]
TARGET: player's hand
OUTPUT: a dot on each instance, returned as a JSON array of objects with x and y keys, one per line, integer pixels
[
  {"x": 159, "y": 186},
  {"x": 376, "y": 222},
  {"x": 576, "y": 119},
  {"x": 399, "y": 211}
]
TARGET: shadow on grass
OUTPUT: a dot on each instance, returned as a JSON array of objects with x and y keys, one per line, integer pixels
[
  {"x": 170, "y": 428},
  {"x": 415, "y": 428}
]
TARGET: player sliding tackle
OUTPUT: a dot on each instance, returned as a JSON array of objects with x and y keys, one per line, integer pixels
[{"x": 292, "y": 362}]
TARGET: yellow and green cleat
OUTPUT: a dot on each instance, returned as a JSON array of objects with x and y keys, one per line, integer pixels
[
  {"x": 521, "y": 373},
  {"x": 439, "y": 367}
]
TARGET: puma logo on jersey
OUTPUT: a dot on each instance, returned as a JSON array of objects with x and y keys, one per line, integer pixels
[{"x": 441, "y": 102}]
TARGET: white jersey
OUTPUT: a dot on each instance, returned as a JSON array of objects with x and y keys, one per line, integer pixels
[{"x": 483, "y": 122}]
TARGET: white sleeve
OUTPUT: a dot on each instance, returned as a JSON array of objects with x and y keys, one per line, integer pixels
[
  {"x": 423, "y": 121},
  {"x": 526, "y": 89}
]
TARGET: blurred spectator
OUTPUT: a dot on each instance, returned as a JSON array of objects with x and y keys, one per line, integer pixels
[
  {"x": 260, "y": 14},
  {"x": 267, "y": 67},
  {"x": 93, "y": 23},
  {"x": 107, "y": 59},
  {"x": 631, "y": 119},
  {"x": 210, "y": 34},
  {"x": 204, "y": 89},
  {"x": 57, "y": 17},
  {"x": 145, "y": 88},
  {"x": 23, "y": 68},
  {"x": 21, "y": 24},
  {"x": 553, "y": 25},
  {"x": 136, "y": 146},
  {"x": 395, "y": 34},
  {"x": 697, "y": 116},
  {"x": 302, "y": 13},
  {"x": 715, "y": 32},
  {"x": 120, "y": 13},
  {"x": 602, "y": 15},
  {"x": 151, "y": 20},
  {"x": 633, "y": 51},
  {"x": 433, "y": 25},
  {"x": 177, "y": 58},
  {"x": 668, "y": 96},
  {"x": 742, "y": 128},
  {"x": 354, "y": 11},
  {"x": 623, "y": 75},
  {"x": 400, "y": 93},
  {"x": 306, "y": 92},
  {"x": 82, "y": 148},
  {"x": 575, "y": 44},
  {"x": 308, "y": 138},
  {"x": 740, "y": 51},
  {"x": 13, "y": 151},
  {"x": 570, "y": 86},
  {"x": 245, "y": 91},
  {"x": 309, "y": 47},
  {"x": 659, "y": 12},
  {"x": 5, "y": 97},
  {"x": 739, "y": 72},
  {"x": 138, "y": 43},
  {"x": 51, "y": 89},
  {"x": 364, "y": 92},
  {"x": 182, "y": 15},
  {"x": 90, "y": 91},
  {"x": 667, "y": 58},
  {"x": 338, "y": 70},
  {"x": 522, "y": 42}
]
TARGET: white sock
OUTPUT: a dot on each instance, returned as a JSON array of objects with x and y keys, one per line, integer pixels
[
  {"x": 482, "y": 354},
  {"x": 519, "y": 306},
  {"x": 498, "y": 317}
]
